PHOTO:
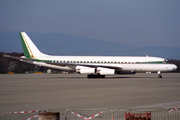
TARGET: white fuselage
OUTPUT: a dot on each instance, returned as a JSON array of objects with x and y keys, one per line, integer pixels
[{"x": 124, "y": 63}]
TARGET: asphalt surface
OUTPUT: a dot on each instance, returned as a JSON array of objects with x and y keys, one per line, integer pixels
[{"x": 58, "y": 92}]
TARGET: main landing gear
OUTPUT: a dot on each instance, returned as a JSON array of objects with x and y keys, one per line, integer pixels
[
  {"x": 95, "y": 76},
  {"x": 159, "y": 74}
]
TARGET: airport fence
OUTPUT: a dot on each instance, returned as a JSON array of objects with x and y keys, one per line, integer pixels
[
  {"x": 19, "y": 116},
  {"x": 123, "y": 114},
  {"x": 88, "y": 114},
  {"x": 23, "y": 115},
  {"x": 139, "y": 114},
  {"x": 173, "y": 114},
  {"x": 103, "y": 114}
]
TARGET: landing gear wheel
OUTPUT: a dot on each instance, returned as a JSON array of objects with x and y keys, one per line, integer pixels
[
  {"x": 89, "y": 76},
  {"x": 159, "y": 76},
  {"x": 95, "y": 76},
  {"x": 102, "y": 76}
]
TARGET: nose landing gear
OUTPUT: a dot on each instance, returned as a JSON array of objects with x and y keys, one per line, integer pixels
[{"x": 159, "y": 74}]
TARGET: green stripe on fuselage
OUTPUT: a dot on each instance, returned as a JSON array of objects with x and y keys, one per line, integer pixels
[
  {"x": 26, "y": 52},
  {"x": 44, "y": 60},
  {"x": 151, "y": 62},
  {"x": 66, "y": 61}
]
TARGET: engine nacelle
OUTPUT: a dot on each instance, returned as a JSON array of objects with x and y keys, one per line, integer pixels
[
  {"x": 105, "y": 71},
  {"x": 85, "y": 70}
]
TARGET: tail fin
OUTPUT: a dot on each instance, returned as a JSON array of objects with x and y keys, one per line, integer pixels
[{"x": 29, "y": 48}]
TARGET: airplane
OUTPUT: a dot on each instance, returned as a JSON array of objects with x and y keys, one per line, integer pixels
[{"x": 93, "y": 66}]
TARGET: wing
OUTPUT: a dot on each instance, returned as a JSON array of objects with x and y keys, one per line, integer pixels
[
  {"x": 70, "y": 65},
  {"x": 21, "y": 58},
  {"x": 85, "y": 65}
]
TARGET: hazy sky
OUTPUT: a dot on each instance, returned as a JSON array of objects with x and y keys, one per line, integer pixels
[{"x": 134, "y": 22}]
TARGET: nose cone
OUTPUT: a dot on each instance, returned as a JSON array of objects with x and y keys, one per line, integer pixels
[{"x": 174, "y": 67}]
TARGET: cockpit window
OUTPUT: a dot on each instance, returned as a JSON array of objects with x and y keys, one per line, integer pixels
[{"x": 165, "y": 61}]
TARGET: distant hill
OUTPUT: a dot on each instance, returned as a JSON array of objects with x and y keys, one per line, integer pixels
[{"x": 63, "y": 44}]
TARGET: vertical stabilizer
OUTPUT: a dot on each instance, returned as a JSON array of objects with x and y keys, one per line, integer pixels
[{"x": 29, "y": 48}]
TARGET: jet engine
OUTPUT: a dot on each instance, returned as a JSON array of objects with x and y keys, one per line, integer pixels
[
  {"x": 105, "y": 71},
  {"x": 85, "y": 70}
]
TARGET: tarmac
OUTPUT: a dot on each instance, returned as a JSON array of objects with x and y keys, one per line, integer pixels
[{"x": 59, "y": 92}]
